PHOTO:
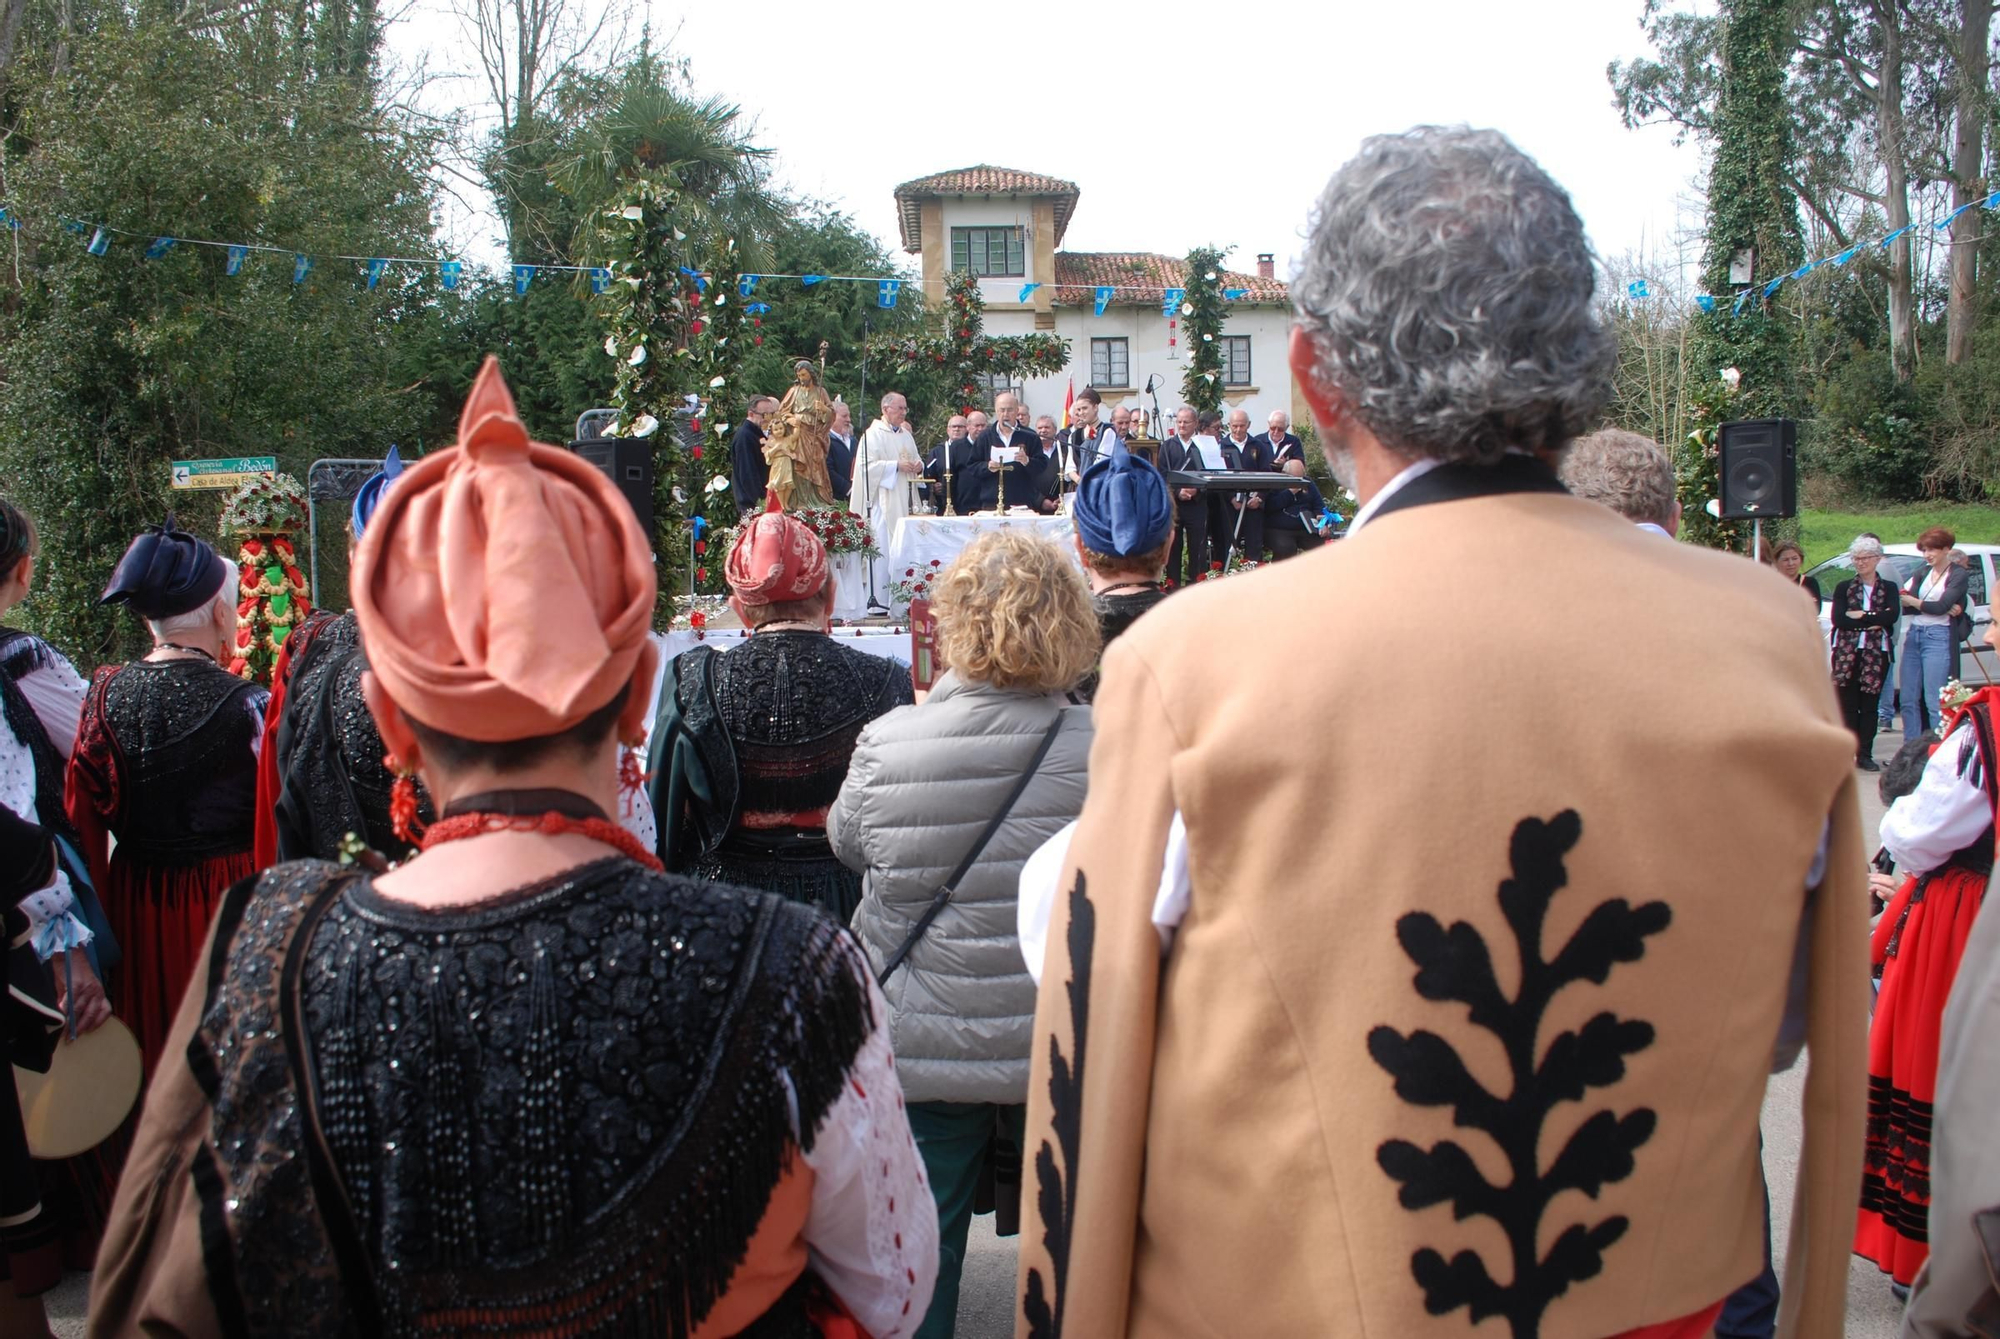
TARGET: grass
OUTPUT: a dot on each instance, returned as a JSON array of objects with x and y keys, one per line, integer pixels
[{"x": 1826, "y": 533}]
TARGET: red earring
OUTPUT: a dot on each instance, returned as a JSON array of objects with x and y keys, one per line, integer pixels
[
  {"x": 403, "y": 801},
  {"x": 631, "y": 780}
]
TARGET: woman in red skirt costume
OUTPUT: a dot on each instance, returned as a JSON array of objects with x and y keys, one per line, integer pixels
[
  {"x": 166, "y": 761},
  {"x": 1942, "y": 838}
]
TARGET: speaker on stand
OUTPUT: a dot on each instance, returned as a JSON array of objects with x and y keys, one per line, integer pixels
[
  {"x": 626, "y": 461},
  {"x": 1760, "y": 472}
]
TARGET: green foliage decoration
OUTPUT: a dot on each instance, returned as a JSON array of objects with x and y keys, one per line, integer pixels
[
  {"x": 649, "y": 311},
  {"x": 963, "y": 354},
  {"x": 720, "y": 336},
  {"x": 1201, "y": 330}
]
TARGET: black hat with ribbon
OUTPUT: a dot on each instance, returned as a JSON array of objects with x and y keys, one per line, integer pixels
[{"x": 166, "y": 572}]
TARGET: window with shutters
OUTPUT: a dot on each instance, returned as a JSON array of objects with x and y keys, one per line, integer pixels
[
  {"x": 989, "y": 252},
  {"x": 1110, "y": 362}
]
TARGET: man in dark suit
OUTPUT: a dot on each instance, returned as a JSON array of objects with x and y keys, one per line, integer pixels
[
  {"x": 1244, "y": 512},
  {"x": 840, "y": 451},
  {"x": 973, "y": 486},
  {"x": 1048, "y": 479},
  {"x": 1280, "y": 442},
  {"x": 934, "y": 463},
  {"x": 1022, "y": 471},
  {"x": 1179, "y": 452},
  {"x": 747, "y": 470},
  {"x": 1293, "y": 524}
]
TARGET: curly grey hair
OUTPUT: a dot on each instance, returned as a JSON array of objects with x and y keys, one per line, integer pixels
[
  {"x": 1626, "y": 472},
  {"x": 1447, "y": 290}
]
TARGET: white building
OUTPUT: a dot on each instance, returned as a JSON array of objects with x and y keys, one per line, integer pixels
[{"x": 1005, "y": 225}]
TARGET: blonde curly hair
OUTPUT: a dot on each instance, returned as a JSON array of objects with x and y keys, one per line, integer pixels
[{"x": 1013, "y": 611}]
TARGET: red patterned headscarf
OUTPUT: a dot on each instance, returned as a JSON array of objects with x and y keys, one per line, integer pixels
[{"x": 776, "y": 559}]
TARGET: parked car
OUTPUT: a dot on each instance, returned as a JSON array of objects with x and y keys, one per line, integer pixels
[{"x": 1978, "y": 666}]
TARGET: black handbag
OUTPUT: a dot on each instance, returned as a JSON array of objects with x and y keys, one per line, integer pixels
[{"x": 943, "y": 896}]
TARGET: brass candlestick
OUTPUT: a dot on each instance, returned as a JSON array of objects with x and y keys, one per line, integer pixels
[
  {"x": 1002, "y": 508},
  {"x": 949, "y": 510}
]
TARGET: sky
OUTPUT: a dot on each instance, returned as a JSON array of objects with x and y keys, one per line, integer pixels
[{"x": 1181, "y": 123}]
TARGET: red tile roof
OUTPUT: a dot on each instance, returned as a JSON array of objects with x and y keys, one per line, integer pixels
[
  {"x": 980, "y": 179},
  {"x": 1140, "y": 277}
]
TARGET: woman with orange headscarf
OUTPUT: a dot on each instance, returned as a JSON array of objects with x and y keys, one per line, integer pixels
[{"x": 524, "y": 1083}]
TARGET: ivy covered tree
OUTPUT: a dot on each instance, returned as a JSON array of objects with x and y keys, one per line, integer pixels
[
  {"x": 1201, "y": 322},
  {"x": 1751, "y": 210}
]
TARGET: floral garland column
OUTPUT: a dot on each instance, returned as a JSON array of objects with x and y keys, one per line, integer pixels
[{"x": 262, "y": 516}]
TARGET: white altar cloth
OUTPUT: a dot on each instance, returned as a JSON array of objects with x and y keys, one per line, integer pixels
[{"x": 919, "y": 539}]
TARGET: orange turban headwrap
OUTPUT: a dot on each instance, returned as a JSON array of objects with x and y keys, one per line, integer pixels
[
  {"x": 504, "y": 588},
  {"x": 776, "y": 558}
]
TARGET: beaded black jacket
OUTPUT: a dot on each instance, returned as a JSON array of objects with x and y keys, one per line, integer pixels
[
  {"x": 331, "y": 780},
  {"x": 562, "y": 1110}
]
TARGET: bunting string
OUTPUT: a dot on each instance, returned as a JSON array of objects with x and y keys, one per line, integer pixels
[{"x": 101, "y": 236}]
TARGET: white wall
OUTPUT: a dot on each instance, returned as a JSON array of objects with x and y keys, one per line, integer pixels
[{"x": 1269, "y": 329}]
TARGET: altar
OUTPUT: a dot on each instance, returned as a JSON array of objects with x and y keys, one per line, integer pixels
[{"x": 920, "y": 539}]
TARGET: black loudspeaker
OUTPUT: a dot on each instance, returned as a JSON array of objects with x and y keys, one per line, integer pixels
[
  {"x": 1760, "y": 469},
  {"x": 628, "y": 463}
]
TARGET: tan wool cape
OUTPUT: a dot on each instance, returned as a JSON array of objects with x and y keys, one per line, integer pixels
[{"x": 1499, "y": 820}]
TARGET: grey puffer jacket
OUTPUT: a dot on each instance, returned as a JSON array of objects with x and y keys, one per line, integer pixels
[{"x": 923, "y": 784}]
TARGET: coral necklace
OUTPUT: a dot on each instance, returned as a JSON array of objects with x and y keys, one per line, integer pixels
[{"x": 550, "y": 812}]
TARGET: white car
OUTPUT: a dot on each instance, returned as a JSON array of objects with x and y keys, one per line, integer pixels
[{"x": 1978, "y": 666}]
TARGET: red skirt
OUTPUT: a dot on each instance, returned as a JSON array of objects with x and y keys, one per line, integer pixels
[
  {"x": 160, "y": 915},
  {"x": 1918, "y": 943}
]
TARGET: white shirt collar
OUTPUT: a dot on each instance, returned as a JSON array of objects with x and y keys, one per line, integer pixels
[
  {"x": 1649, "y": 527},
  {"x": 1374, "y": 504}
]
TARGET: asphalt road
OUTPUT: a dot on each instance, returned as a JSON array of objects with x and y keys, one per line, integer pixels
[{"x": 986, "y": 1297}]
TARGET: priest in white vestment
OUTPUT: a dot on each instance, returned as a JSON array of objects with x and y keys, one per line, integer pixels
[{"x": 885, "y": 463}]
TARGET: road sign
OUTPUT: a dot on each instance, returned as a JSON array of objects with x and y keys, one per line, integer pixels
[{"x": 224, "y": 472}]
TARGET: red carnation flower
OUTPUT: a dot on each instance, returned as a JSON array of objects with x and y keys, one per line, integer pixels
[
  {"x": 701, "y": 546},
  {"x": 701, "y": 574},
  {"x": 697, "y": 446},
  {"x": 698, "y": 619},
  {"x": 937, "y": 562},
  {"x": 758, "y": 339}
]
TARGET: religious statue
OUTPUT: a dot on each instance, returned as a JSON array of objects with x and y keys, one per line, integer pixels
[{"x": 795, "y": 447}]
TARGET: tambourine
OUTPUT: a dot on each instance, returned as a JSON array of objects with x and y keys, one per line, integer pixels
[{"x": 91, "y": 1086}]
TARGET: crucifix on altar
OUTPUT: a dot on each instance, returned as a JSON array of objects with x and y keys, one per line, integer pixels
[{"x": 959, "y": 355}]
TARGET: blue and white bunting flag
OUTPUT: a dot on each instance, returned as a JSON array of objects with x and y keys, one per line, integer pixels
[
  {"x": 1027, "y": 291},
  {"x": 810, "y": 279},
  {"x": 1772, "y": 287},
  {"x": 159, "y": 247},
  {"x": 375, "y": 269},
  {"x": 885, "y": 292},
  {"x": 600, "y": 279},
  {"x": 301, "y": 267},
  {"x": 76, "y": 226},
  {"x": 523, "y": 276},
  {"x": 1170, "y": 301},
  {"x": 1947, "y": 220},
  {"x": 758, "y": 308},
  {"x": 1845, "y": 256},
  {"x": 100, "y": 242},
  {"x": 1992, "y": 201},
  {"x": 9, "y": 219},
  {"x": 746, "y": 284},
  {"x": 449, "y": 270},
  {"x": 237, "y": 255},
  {"x": 1705, "y": 302},
  {"x": 1102, "y": 300},
  {"x": 1805, "y": 269},
  {"x": 1638, "y": 289},
  {"x": 1884, "y": 243},
  {"x": 1235, "y": 294},
  {"x": 1741, "y": 298}
]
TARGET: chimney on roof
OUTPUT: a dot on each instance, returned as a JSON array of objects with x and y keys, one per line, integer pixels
[{"x": 1267, "y": 265}]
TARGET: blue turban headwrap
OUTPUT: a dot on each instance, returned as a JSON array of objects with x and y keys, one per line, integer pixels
[
  {"x": 1122, "y": 505},
  {"x": 370, "y": 496},
  {"x": 166, "y": 572}
]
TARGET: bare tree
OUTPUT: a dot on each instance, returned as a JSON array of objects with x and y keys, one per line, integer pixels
[
  {"x": 1968, "y": 165},
  {"x": 10, "y": 30},
  {"x": 525, "y": 49}
]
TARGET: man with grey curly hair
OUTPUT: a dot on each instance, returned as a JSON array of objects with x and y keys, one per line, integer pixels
[{"x": 1442, "y": 987}]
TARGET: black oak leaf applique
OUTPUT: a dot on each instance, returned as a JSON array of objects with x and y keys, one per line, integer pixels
[
  {"x": 1056, "y": 1198},
  {"x": 1454, "y": 966}
]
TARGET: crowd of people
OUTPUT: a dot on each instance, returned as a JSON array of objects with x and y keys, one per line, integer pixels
[{"x": 484, "y": 987}]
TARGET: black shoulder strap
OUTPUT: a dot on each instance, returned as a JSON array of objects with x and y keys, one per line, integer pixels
[{"x": 944, "y": 894}]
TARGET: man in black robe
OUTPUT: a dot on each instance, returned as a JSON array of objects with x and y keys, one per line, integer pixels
[{"x": 1179, "y": 452}]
